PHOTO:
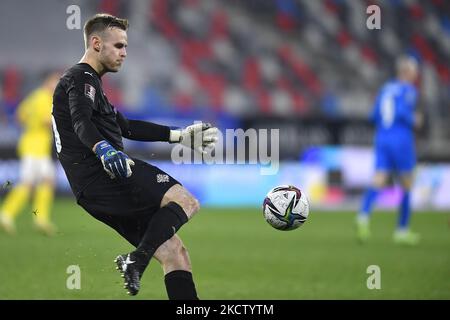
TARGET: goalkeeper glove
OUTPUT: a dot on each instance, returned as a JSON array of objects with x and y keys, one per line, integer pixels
[
  {"x": 116, "y": 163},
  {"x": 199, "y": 137}
]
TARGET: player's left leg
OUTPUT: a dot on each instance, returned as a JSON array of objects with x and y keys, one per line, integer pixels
[
  {"x": 177, "y": 207},
  {"x": 160, "y": 205}
]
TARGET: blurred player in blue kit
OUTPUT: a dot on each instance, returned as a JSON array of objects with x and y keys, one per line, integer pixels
[{"x": 395, "y": 118}]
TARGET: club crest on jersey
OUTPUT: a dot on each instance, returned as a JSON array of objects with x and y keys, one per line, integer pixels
[{"x": 89, "y": 91}]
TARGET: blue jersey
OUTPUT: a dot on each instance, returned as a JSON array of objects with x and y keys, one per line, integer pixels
[{"x": 393, "y": 115}]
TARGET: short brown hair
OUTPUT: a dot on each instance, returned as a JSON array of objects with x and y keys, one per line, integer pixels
[{"x": 100, "y": 22}]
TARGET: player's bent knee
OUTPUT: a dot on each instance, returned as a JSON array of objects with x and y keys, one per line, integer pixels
[
  {"x": 183, "y": 198},
  {"x": 195, "y": 205},
  {"x": 190, "y": 205}
]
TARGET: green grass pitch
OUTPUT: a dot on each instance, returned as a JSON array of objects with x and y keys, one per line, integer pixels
[{"x": 235, "y": 255}]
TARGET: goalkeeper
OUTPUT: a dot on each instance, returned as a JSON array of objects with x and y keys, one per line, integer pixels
[{"x": 141, "y": 202}]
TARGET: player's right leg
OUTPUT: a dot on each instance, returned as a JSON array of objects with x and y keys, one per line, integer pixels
[
  {"x": 363, "y": 218},
  {"x": 383, "y": 165},
  {"x": 13, "y": 204},
  {"x": 43, "y": 199},
  {"x": 18, "y": 196},
  {"x": 174, "y": 259},
  {"x": 177, "y": 207}
]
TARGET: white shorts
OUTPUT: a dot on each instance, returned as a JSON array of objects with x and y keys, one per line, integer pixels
[{"x": 34, "y": 170}]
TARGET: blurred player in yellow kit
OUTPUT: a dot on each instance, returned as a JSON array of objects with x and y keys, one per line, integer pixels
[{"x": 36, "y": 166}]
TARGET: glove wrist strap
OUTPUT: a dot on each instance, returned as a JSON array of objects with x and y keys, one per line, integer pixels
[
  {"x": 175, "y": 136},
  {"x": 102, "y": 148}
]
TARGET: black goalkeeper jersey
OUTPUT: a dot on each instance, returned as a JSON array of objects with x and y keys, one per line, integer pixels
[
  {"x": 82, "y": 116},
  {"x": 78, "y": 97}
]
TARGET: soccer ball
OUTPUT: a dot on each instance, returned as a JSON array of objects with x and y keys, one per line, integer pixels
[{"x": 286, "y": 207}]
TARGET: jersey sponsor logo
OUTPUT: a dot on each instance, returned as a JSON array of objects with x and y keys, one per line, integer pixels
[
  {"x": 161, "y": 178},
  {"x": 89, "y": 91}
]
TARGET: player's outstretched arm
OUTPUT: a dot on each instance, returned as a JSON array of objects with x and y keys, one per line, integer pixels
[
  {"x": 199, "y": 137},
  {"x": 142, "y": 130}
]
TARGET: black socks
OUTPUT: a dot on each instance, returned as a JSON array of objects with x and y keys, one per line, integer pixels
[
  {"x": 180, "y": 285},
  {"x": 164, "y": 224}
]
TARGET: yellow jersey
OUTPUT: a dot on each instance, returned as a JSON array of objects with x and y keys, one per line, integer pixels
[{"x": 34, "y": 115}]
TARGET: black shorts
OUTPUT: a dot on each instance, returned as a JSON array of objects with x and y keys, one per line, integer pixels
[{"x": 127, "y": 205}]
